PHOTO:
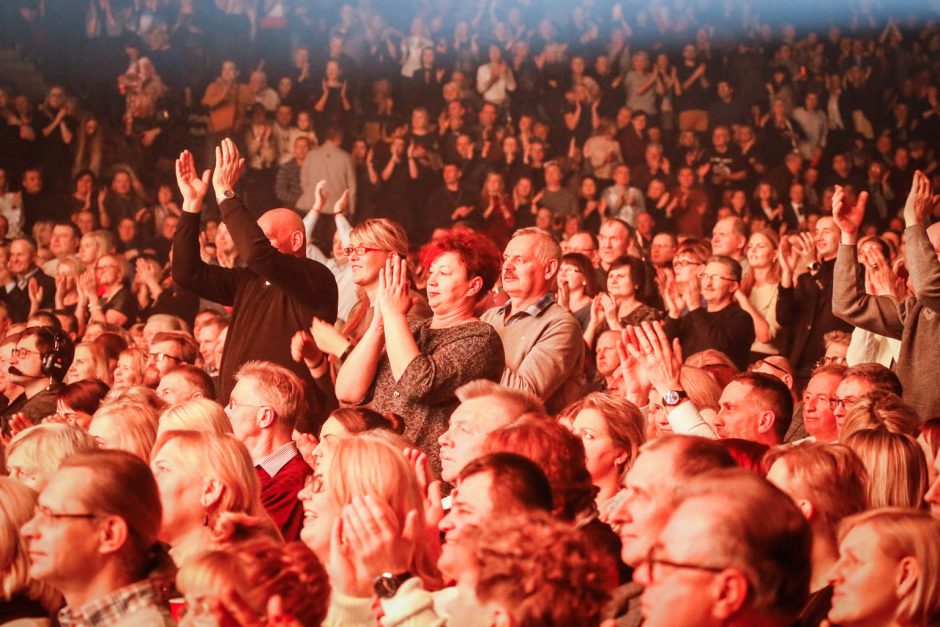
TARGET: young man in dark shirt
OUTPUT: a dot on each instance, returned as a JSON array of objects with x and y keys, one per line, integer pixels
[{"x": 721, "y": 324}]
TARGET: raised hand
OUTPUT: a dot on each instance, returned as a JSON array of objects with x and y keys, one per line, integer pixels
[
  {"x": 848, "y": 219},
  {"x": 36, "y": 292},
  {"x": 342, "y": 204},
  {"x": 304, "y": 350},
  {"x": 328, "y": 338},
  {"x": 919, "y": 202},
  {"x": 191, "y": 186},
  {"x": 377, "y": 540},
  {"x": 87, "y": 285},
  {"x": 229, "y": 166},
  {"x": 663, "y": 359},
  {"x": 320, "y": 195},
  {"x": 394, "y": 297}
]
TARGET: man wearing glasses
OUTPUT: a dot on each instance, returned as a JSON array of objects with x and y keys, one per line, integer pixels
[
  {"x": 40, "y": 385},
  {"x": 720, "y": 559},
  {"x": 649, "y": 498},
  {"x": 168, "y": 350},
  {"x": 721, "y": 324}
]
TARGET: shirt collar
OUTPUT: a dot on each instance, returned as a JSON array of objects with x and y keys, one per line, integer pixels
[
  {"x": 535, "y": 309},
  {"x": 114, "y": 607},
  {"x": 273, "y": 463}
]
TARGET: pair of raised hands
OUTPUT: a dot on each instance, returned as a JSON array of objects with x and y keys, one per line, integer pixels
[{"x": 229, "y": 165}]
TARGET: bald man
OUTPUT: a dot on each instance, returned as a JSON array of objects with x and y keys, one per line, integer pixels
[{"x": 274, "y": 296}]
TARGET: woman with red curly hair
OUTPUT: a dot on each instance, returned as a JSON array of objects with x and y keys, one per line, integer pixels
[{"x": 414, "y": 368}]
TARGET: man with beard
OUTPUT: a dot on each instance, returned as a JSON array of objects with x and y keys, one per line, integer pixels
[
  {"x": 38, "y": 364},
  {"x": 168, "y": 350}
]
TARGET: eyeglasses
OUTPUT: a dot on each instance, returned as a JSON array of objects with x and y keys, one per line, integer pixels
[
  {"x": 651, "y": 562},
  {"x": 763, "y": 362},
  {"x": 159, "y": 357},
  {"x": 832, "y": 359},
  {"x": 360, "y": 250},
  {"x": 711, "y": 278},
  {"x": 684, "y": 263},
  {"x": 232, "y": 404},
  {"x": 22, "y": 353},
  {"x": 46, "y": 515},
  {"x": 835, "y": 401}
]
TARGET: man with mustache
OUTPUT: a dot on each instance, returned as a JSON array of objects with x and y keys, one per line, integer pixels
[{"x": 543, "y": 343}]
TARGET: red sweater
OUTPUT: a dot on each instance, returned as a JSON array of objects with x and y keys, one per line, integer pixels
[{"x": 279, "y": 496}]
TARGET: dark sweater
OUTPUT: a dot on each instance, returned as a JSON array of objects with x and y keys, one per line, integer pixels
[
  {"x": 275, "y": 296},
  {"x": 279, "y": 496},
  {"x": 915, "y": 321},
  {"x": 729, "y": 330}
]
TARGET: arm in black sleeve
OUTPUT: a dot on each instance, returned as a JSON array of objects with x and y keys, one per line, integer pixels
[
  {"x": 189, "y": 270},
  {"x": 310, "y": 282}
]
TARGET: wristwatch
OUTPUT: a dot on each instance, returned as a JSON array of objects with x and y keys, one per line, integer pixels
[
  {"x": 814, "y": 267},
  {"x": 387, "y": 584},
  {"x": 674, "y": 397},
  {"x": 226, "y": 195}
]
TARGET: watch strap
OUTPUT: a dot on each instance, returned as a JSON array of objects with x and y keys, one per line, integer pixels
[{"x": 387, "y": 584}]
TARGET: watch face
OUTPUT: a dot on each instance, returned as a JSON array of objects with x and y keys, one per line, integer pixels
[
  {"x": 671, "y": 397},
  {"x": 385, "y": 586}
]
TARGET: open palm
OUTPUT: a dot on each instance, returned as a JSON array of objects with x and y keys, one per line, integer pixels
[{"x": 192, "y": 187}]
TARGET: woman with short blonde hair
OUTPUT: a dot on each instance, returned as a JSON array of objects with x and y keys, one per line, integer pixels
[
  {"x": 34, "y": 454},
  {"x": 209, "y": 491},
  {"x": 130, "y": 369},
  {"x": 126, "y": 426},
  {"x": 28, "y": 597},
  {"x": 90, "y": 362},
  {"x": 888, "y": 572},
  {"x": 198, "y": 414},
  {"x": 897, "y": 467}
]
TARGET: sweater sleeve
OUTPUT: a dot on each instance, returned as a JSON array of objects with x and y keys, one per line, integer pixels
[
  {"x": 192, "y": 273},
  {"x": 878, "y": 314},
  {"x": 924, "y": 267},
  {"x": 311, "y": 283},
  {"x": 433, "y": 378},
  {"x": 685, "y": 419}
]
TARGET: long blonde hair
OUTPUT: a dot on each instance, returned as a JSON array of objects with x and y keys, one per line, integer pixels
[
  {"x": 747, "y": 281},
  {"x": 370, "y": 465},
  {"x": 238, "y": 514},
  {"x": 896, "y": 464}
]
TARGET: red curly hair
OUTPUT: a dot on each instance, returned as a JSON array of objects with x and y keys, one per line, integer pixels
[{"x": 476, "y": 252}]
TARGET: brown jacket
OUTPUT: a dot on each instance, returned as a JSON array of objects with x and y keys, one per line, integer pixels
[{"x": 226, "y": 106}]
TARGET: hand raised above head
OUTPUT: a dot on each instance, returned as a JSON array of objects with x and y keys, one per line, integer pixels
[
  {"x": 191, "y": 186},
  {"x": 229, "y": 166}
]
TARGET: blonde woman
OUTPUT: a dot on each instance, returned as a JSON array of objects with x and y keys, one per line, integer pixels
[
  {"x": 130, "y": 369},
  {"x": 103, "y": 295},
  {"x": 66, "y": 282},
  {"x": 758, "y": 293},
  {"x": 704, "y": 392},
  {"x": 371, "y": 243},
  {"x": 888, "y": 570},
  {"x": 612, "y": 431},
  {"x": 361, "y": 466},
  {"x": 29, "y": 601},
  {"x": 198, "y": 414},
  {"x": 880, "y": 410},
  {"x": 897, "y": 467},
  {"x": 34, "y": 454},
  {"x": 125, "y": 426},
  {"x": 209, "y": 491},
  {"x": 90, "y": 362},
  {"x": 93, "y": 245}
]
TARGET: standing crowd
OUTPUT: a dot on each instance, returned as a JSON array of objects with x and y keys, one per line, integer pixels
[{"x": 516, "y": 313}]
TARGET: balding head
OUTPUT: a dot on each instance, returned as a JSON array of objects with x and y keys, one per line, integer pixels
[{"x": 285, "y": 230}]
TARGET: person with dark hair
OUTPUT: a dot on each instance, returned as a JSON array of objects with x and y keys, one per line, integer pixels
[
  {"x": 38, "y": 364},
  {"x": 425, "y": 362},
  {"x": 94, "y": 538},
  {"x": 185, "y": 382},
  {"x": 721, "y": 324},
  {"x": 331, "y": 163},
  {"x": 577, "y": 286},
  {"x": 77, "y": 402},
  {"x": 859, "y": 382}
]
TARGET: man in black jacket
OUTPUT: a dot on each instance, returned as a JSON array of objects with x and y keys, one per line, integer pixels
[
  {"x": 23, "y": 277},
  {"x": 721, "y": 324},
  {"x": 276, "y": 295}
]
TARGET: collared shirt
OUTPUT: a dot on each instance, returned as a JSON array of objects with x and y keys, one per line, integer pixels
[
  {"x": 273, "y": 463},
  {"x": 532, "y": 310},
  {"x": 118, "y": 606},
  {"x": 21, "y": 282}
]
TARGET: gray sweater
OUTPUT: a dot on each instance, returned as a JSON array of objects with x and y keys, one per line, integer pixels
[{"x": 915, "y": 321}]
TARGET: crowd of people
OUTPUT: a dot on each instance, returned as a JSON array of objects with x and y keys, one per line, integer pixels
[{"x": 435, "y": 313}]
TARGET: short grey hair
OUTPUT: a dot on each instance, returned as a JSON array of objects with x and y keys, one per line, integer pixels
[{"x": 547, "y": 248}]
